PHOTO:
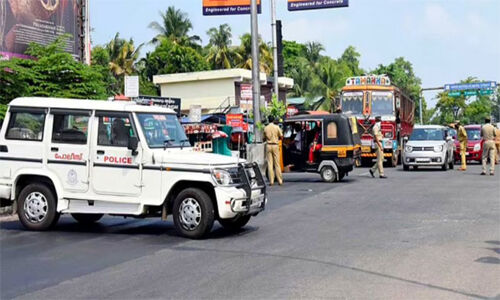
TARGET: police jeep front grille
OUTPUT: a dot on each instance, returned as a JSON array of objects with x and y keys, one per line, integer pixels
[
  {"x": 250, "y": 179},
  {"x": 423, "y": 148}
]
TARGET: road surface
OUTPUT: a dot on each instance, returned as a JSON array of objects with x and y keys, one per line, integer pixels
[{"x": 424, "y": 234}]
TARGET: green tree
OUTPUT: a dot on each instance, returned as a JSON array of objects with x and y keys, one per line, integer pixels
[
  {"x": 351, "y": 58},
  {"x": 175, "y": 26},
  {"x": 244, "y": 59},
  {"x": 53, "y": 73},
  {"x": 402, "y": 75},
  {"x": 220, "y": 55},
  {"x": 169, "y": 58},
  {"x": 313, "y": 52},
  {"x": 100, "y": 62},
  {"x": 301, "y": 73}
]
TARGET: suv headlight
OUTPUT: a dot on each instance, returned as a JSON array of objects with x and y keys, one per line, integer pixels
[
  {"x": 438, "y": 148},
  {"x": 222, "y": 177},
  {"x": 477, "y": 147},
  {"x": 408, "y": 148}
]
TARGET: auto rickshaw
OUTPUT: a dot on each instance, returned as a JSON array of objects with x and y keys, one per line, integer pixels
[{"x": 328, "y": 144}]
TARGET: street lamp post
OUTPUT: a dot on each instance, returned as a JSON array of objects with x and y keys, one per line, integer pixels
[
  {"x": 275, "y": 48},
  {"x": 255, "y": 71}
]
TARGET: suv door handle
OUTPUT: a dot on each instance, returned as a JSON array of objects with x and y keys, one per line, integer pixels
[
  {"x": 54, "y": 149},
  {"x": 100, "y": 152}
]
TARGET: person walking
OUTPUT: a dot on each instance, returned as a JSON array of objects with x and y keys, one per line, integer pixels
[
  {"x": 489, "y": 150},
  {"x": 377, "y": 138},
  {"x": 497, "y": 143},
  {"x": 272, "y": 135},
  {"x": 462, "y": 138}
]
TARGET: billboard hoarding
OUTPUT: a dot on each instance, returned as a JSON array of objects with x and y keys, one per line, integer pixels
[
  {"x": 39, "y": 21},
  {"x": 294, "y": 5},
  {"x": 228, "y": 7},
  {"x": 132, "y": 86}
]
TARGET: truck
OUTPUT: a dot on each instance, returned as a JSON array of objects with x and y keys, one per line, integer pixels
[{"x": 373, "y": 95}]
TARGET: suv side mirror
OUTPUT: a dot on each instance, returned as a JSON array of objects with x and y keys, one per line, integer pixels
[
  {"x": 133, "y": 143},
  {"x": 405, "y": 139},
  {"x": 449, "y": 138}
]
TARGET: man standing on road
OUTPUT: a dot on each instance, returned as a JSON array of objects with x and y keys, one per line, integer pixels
[
  {"x": 462, "y": 138},
  {"x": 497, "y": 143},
  {"x": 272, "y": 135},
  {"x": 377, "y": 139},
  {"x": 488, "y": 135}
]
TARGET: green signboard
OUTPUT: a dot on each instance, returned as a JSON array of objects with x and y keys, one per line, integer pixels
[
  {"x": 454, "y": 94},
  {"x": 486, "y": 92},
  {"x": 470, "y": 93}
]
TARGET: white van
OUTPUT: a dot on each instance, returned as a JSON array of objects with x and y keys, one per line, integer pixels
[{"x": 89, "y": 158}]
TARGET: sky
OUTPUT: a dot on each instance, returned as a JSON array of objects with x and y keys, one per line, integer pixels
[{"x": 446, "y": 41}]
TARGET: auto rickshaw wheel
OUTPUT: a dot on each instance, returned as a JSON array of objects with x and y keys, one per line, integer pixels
[{"x": 328, "y": 174}]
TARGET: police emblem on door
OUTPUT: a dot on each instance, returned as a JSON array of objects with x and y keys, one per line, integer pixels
[{"x": 72, "y": 177}]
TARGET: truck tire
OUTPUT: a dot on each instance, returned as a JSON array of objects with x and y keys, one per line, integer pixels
[
  {"x": 444, "y": 167},
  {"x": 37, "y": 207},
  {"x": 193, "y": 213},
  {"x": 406, "y": 167},
  {"x": 234, "y": 224},
  {"x": 451, "y": 164},
  {"x": 87, "y": 218},
  {"x": 328, "y": 174}
]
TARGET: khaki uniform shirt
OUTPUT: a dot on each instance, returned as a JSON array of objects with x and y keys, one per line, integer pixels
[
  {"x": 462, "y": 134},
  {"x": 272, "y": 133},
  {"x": 497, "y": 137},
  {"x": 488, "y": 132},
  {"x": 377, "y": 133}
]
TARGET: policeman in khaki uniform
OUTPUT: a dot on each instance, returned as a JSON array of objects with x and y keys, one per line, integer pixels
[
  {"x": 272, "y": 135},
  {"x": 497, "y": 143},
  {"x": 377, "y": 138},
  {"x": 489, "y": 151},
  {"x": 462, "y": 138}
]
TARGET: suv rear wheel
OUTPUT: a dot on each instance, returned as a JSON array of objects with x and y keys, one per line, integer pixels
[
  {"x": 193, "y": 213},
  {"x": 37, "y": 207}
]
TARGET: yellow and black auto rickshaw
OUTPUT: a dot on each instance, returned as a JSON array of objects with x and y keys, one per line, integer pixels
[{"x": 328, "y": 144}]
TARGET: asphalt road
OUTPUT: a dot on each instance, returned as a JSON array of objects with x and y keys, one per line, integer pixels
[{"x": 425, "y": 234}]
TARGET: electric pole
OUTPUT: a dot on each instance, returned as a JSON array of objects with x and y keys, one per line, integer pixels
[{"x": 255, "y": 71}]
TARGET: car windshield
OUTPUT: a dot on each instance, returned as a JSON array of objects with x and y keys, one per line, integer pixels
[
  {"x": 427, "y": 134},
  {"x": 473, "y": 134},
  {"x": 382, "y": 103},
  {"x": 162, "y": 130},
  {"x": 352, "y": 103}
]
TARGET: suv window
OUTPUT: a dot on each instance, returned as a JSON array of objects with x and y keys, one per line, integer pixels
[
  {"x": 70, "y": 128},
  {"x": 114, "y": 131},
  {"x": 26, "y": 126}
]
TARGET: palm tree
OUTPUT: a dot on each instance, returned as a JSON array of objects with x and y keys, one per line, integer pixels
[
  {"x": 220, "y": 54},
  {"x": 175, "y": 26},
  {"x": 123, "y": 55},
  {"x": 330, "y": 79},
  {"x": 313, "y": 52},
  {"x": 245, "y": 53}
]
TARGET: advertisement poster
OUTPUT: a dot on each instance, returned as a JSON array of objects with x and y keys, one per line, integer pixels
[
  {"x": 39, "y": 21},
  {"x": 228, "y": 7},
  {"x": 315, "y": 4}
]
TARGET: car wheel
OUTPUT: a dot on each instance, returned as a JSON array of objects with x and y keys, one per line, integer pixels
[
  {"x": 87, "y": 218},
  {"x": 193, "y": 213},
  {"x": 328, "y": 174},
  {"x": 37, "y": 207},
  {"x": 451, "y": 164},
  {"x": 394, "y": 159},
  {"x": 234, "y": 224},
  {"x": 406, "y": 167},
  {"x": 415, "y": 168}
]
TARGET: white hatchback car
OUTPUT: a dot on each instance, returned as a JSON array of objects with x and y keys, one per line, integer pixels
[{"x": 429, "y": 145}]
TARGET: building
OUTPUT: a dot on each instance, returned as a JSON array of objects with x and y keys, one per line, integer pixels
[{"x": 216, "y": 90}]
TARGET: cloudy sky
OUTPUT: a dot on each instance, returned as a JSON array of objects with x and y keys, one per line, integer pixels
[{"x": 446, "y": 40}]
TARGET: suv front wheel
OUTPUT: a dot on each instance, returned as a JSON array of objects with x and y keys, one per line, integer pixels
[
  {"x": 37, "y": 207},
  {"x": 193, "y": 213}
]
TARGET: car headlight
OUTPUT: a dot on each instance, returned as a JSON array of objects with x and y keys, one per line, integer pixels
[
  {"x": 222, "y": 177},
  {"x": 408, "y": 148},
  {"x": 477, "y": 147},
  {"x": 438, "y": 148}
]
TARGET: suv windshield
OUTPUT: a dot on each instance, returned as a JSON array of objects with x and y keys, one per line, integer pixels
[
  {"x": 382, "y": 103},
  {"x": 352, "y": 103},
  {"x": 473, "y": 134},
  {"x": 431, "y": 134},
  {"x": 162, "y": 130}
]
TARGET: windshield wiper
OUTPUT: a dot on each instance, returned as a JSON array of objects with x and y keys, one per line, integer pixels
[
  {"x": 182, "y": 142},
  {"x": 166, "y": 143}
]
